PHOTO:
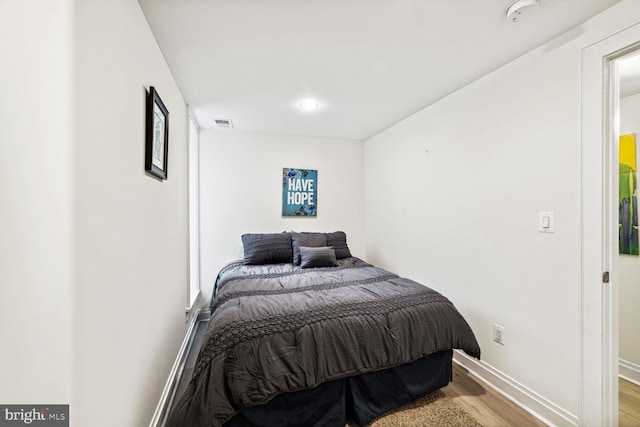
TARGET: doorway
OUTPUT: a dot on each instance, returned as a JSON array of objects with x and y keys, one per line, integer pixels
[
  {"x": 628, "y": 124},
  {"x": 600, "y": 272}
]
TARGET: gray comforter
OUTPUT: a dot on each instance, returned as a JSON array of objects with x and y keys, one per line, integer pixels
[{"x": 280, "y": 328}]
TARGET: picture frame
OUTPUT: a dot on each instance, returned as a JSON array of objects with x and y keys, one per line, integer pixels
[
  {"x": 299, "y": 192},
  {"x": 157, "y": 136}
]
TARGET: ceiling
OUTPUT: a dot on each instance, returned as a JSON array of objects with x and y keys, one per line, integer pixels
[
  {"x": 629, "y": 73},
  {"x": 369, "y": 63}
]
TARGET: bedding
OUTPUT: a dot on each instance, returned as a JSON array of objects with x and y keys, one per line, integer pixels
[
  {"x": 317, "y": 257},
  {"x": 338, "y": 240},
  {"x": 263, "y": 248},
  {"x": 309, "y": 240},
  {"x": 280, "y": 329},
  {"x": 358, "y": 398}
]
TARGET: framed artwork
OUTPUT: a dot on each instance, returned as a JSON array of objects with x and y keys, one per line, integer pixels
[
  {"x": 299, "y": 192},
  {"x": 157, "y": 135},
  {"x": 628, "y": 196}
]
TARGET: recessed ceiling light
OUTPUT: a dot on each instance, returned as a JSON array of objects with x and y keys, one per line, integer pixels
[{"x": 309, "y": 105}]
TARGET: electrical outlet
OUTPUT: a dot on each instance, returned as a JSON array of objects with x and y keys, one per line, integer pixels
[{"x": 498, "y": 334}]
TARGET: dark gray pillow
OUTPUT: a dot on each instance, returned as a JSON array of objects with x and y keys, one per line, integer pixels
[
  {"x": 338, "y": 240},
  {"x": 311, "y": 240},
  {"x": 267, "y": 248},
  {"x": 324, "y": 256}
]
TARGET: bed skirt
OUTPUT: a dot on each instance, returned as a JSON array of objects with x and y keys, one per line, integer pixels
[{"x": 359, "y": 399}]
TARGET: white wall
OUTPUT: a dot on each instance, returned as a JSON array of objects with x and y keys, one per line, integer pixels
[
  {"x": 241, "y": 191},
  {"x": 466, "y": 178},
  {"x": 36, "y": 194},
  {"x": 131, "y": 234},
  {"x": 93, "y": 254},
  {"x": 629, "y": 265}
]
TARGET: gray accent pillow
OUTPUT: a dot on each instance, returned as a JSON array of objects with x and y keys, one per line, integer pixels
[
  {"x": 267, "y": 248},
  {"x": 338, "y": 240},
  {"x": 324, "y": 256},
  {"x": 311, "y": 240}
]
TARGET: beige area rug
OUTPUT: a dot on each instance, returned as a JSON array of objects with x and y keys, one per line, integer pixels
[{"x": 435, "y": 409}]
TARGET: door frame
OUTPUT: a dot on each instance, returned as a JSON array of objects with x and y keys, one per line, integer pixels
[{"x": 599, "y": 224}]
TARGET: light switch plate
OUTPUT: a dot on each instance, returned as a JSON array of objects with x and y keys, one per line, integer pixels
[{"x": 547, "y": 222}]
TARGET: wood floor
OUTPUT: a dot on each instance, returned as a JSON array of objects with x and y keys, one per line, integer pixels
[
  {"x": 486, "y": 405},
  {"x": 490, "y": 408},
  {"x": 198, "y": 338},
  {"x": 629, "y": 404}
]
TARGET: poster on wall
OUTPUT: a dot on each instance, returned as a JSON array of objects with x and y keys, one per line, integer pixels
[
  {"x": 299, "y": 192},
  {"x": 628, "y": 197}
]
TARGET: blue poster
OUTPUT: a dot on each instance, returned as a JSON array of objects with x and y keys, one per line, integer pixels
[{"x": 299, "y": 191}]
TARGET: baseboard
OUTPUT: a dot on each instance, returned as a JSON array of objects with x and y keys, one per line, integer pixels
[
  {"x": 195, "y": 315},
  {"x": 195, "y": 306},
  {"x": 541, "y": 408},
  {"x": 629, "y": 371}
]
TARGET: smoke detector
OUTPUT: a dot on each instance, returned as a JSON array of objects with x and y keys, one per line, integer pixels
[
  {"x": 519, "y": 8},
  {"x": 223, "y": 123}
]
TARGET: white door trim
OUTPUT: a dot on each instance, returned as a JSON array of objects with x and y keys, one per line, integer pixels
[{"x": 599, "y": 313}]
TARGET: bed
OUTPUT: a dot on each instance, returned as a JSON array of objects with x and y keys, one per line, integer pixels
[{"x": 304, "y": 334}]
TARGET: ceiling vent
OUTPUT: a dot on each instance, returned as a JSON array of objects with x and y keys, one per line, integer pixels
[{"x": 223, "y": 123}]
